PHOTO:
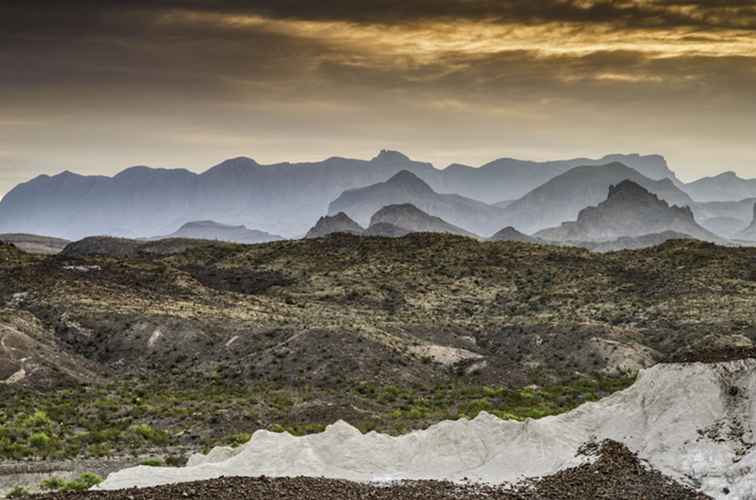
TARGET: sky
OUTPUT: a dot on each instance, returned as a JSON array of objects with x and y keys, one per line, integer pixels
[{"x": 97, "y": 86}]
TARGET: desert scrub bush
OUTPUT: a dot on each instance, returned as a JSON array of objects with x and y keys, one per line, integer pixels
[
  {"x": 18, "y": 492},
  {"x": 238, "y": 439},
  {"x": 37, "y": 420},
  {"x": 40, "y": 440},
  {"x": 52, "y": 484},
  {"x": 85, "y": 481},
  {"x": 150, "y": 434},
  {"x": 152, "y": 462}
]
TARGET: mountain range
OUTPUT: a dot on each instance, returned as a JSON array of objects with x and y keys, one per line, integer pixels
[
  {"x": 406, "y": 188},
  {"x": 723, "y": 187},
  {"x": 563, "y": 197},
  {"x": 284, "y": 198},
  {"x": 629, "y": 211}
]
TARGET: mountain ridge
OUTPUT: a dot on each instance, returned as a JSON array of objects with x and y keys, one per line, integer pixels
[
  {"x": 276, "y": 198},
  {"x": 629, "y": 211}
]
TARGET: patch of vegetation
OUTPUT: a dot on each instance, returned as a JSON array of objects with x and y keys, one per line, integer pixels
[
  {"x": 85, "y": 481},
  {"x": 18, "y": 492},
  {"x": 134, "y": 418}
]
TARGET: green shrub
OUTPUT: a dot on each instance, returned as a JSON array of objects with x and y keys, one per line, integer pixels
[
  {"x": 39, "y": 440},
  {"x": 18, "y": 492},
  {"x": 38, "y": 420},
  {"x": 53, "y": 484},
  {"x": 153, "y": 462},
  {"x": 149, "y": 433},
  {"x": 85, "y": 481},
  {"x": 239, "y": 439}
]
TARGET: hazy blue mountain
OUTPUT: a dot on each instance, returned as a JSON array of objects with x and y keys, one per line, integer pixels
[
  {"x": 282, "y": 199},
  {"x": 337, "y": 223},
  {"x": 634, "y": 243},
  {"x": 386, "y": 230},
  {"x": 410, "y": 218},
  {"x": 511, "y": 234},
  {"x": 211, "y": 230},
  {"x": 405, "y": 187},
  {"x": 563, "y": 197},
  {"x": 631, "y": 211},
  {"x": 510, "y": 179},
  {"x": 749, "y": 234},
  {"x": 724, "y": 217},
  {"x": 723, "y": 187},
  {"x": 726, "y": 227}
]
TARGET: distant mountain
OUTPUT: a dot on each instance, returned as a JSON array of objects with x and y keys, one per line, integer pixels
[
  {"x": 405, "y": 187},
  {"x": 563, "y": 197},
  {"x": 512, "y": 234},
  {"x": 329, "y": 224},
  {"x": 211, "y": 230},
  {"x": 629, "y": 211},
  {"x": 725, "y": 227},
  {"x": 749, "y": 234},
  {"x": 33, "y": 243},
  {"x": 280, "y": 198},
  {"x": 414, "y": 220},
  {"x": 386, "y": 230},
  {"x": 723, "y": 216},
  {"x": 637, "y": 243},
  {"x": 723, "y": 187}
]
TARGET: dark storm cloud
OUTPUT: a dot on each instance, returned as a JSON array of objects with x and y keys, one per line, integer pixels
[{"x": 189, "y": 82}]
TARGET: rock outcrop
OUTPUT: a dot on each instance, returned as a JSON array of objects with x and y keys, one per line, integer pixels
[{"x": 630, "y": 211}]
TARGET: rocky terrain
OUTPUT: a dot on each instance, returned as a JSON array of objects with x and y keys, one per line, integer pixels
[
  {"x": 211, "y": 230},
  {"x": 615, "y": 474},
  {"x": 164, "y": 348},
  {"x": 629, "y": 211}
]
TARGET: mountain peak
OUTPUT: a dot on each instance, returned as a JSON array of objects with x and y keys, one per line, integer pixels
[
  {"x": 339, "y": 223},
  {"x": 631, "y": 211},
  {"x": 410, "y": 218},
  {"x": 630, "y": 190},
  {"x": 389, "y": 156},
  {"x": 407, "y": 179},
  {"x": 509, "y": 233}
]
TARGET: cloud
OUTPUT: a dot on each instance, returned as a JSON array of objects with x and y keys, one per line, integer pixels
[{"x": 187, "y": 81}]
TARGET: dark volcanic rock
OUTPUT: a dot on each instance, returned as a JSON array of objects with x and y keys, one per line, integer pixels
[{"x": 329, "y": 224}]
